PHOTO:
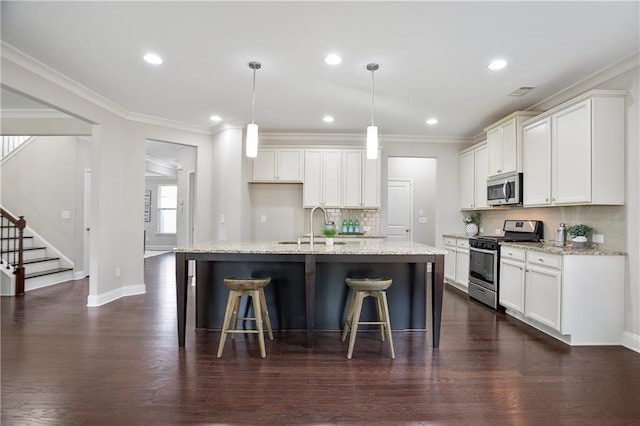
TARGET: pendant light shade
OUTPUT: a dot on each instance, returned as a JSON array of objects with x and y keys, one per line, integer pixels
[
  {"x": 372, "y": 131},
  {"x": 251, "y": 143},
  {"x": 372, "y": 142},
  {"x": 252, "y": 140}
]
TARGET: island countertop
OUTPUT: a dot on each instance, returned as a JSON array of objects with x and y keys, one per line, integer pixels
[{"x": 365, "y": 247}]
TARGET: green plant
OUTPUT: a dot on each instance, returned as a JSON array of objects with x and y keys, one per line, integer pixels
[
  {"x": 579, "y": 230},
  {"x": 474, "y": 218},
  {"x": 329, "y": 232}
]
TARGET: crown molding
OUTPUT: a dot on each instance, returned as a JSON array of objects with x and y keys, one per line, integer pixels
[
  {"x": 164, "y": 122},
  {"x": 34, "y": 113},
  {"x": 351, "y": 137}
]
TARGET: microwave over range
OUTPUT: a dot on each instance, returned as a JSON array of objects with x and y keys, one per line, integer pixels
[{"x": 505, "y": 190}]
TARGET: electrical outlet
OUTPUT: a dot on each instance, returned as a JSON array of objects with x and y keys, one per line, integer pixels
[
  {"x": 481, "y": 230},
  {"x": 498, "y": 231},
  {"x": 263, "y": 218},
  {"x": 223, "y": 218},
  {"x": 597, "y": 238},
  {"x": 66, "y": 214},
  {"x": 422, "y": 219},
  {"x": 117, "y": 273},
  {"x": 366, "y": 228}
]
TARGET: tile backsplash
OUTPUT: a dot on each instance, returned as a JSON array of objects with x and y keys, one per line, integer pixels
[
  {"x": 610, "y": 221},
  {"x": 367, "y": 218}
]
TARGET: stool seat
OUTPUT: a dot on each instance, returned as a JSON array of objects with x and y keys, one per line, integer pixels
[
  {"x": 360, "y": 288},
  {"x": 370, "y": 284},
  {"x": 246, "y": 283},
  {"x": 254, "y": 288}
]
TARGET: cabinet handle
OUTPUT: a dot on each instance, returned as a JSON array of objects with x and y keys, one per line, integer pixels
[
  {"x": 541, "y": 260},
  {"x": 520, "y": 268},
  {"x": 546, "y": 199}
]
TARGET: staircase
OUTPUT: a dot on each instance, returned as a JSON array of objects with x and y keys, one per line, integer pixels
[{"x": 40, "y": 268}]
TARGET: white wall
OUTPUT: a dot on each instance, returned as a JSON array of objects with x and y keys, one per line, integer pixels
[
  {"x": 40, "y": 183},
  {"x": 422, "y": 172}
]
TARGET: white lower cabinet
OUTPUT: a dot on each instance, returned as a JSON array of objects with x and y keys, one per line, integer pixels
[
  {"x": 578, "y": 299},
  {"x": 543, "y": 290},
  {"x": 456, "y": 262},
  {"x": 512, "y": 280}
]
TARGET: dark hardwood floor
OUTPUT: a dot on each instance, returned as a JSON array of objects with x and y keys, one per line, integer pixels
[{"x": 119, "y": 364}]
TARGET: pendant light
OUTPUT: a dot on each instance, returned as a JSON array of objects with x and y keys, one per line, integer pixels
[
  {"x": 252, "y": 129},
  {"x": 372, "y": 131}
]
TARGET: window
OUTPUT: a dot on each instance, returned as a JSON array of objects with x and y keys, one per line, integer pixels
[{"x": 167, "y": 208}]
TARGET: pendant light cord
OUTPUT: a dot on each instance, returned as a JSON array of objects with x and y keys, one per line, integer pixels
[
  {"x": 253, "y": 101},
  {"x": 373, "y": 89}
]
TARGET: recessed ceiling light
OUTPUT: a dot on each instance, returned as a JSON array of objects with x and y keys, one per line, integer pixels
[
  {"x": 432, "y": 121},
  {"x": 327, "y": 119},
  {"x": 333, "y": 59},
  {"x": 215, "y": 118},
  {"x": 497, "y": 64},
  {"x": 152, "y": 58}
]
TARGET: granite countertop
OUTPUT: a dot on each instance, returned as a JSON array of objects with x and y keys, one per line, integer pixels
[
  {"x": 365, "y": 247},
  {"x": 457, "y": 235},
  {"x": 563, "y": 250}
]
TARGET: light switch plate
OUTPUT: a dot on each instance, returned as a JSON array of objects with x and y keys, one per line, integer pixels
[
  {"x": 263, "y": 218},
  {"x": 422, "y": 219}
]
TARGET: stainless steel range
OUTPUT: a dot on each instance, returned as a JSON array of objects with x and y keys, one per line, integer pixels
[{"x": 484, "y": 258}]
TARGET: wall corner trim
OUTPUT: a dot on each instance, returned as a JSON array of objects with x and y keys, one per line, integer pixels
[{"x": 110, "y": 296}]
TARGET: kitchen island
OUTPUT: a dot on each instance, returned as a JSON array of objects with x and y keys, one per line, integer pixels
[{"x": 296, "y": 268}]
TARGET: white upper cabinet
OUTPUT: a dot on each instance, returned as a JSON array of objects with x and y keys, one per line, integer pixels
[
  {"x": 281, "y": 165},
  {"x": 352, "y": 177},
  {"x": 322, "y": 180},
  {"x": 574, "y": 153},
  {"x": 536, "y": 147},
  {"x": 473, "y": 166},
  {"x": 504, "y": 144}
]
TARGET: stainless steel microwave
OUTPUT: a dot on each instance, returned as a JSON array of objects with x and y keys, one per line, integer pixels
[{"x": 505, "y": 190}]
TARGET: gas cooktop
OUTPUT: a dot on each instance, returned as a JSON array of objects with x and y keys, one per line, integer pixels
[{"x": 517, "y": 230}]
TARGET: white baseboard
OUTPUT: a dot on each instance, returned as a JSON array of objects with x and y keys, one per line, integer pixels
[
  {"x": 78, "y": 275},
  {"x": 631, "y": 341},
  {"x": 110, "y": 296}
]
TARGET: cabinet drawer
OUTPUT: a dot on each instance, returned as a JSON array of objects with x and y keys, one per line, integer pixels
[
  {"x": 544, "y": 259},
  {"x": 449, "y": 241},
  {"x": 512, "y": 253},
  {"x": 463, "y": 243}
]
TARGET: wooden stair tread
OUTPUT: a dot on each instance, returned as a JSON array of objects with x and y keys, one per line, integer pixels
[
  {"x": 25, "y": 249},
  {"x": 47, "y": 272},
  {"x": 15, "y": 238},
  {"x": 38, "y": 260}
]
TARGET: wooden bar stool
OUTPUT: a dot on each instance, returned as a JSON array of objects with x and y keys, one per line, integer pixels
[
  {"x": 360, "y": 289},
  {"x": 253, "y": 287}
]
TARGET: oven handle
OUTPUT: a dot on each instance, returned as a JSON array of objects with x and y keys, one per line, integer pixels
[{"x": 482, "y": 250}]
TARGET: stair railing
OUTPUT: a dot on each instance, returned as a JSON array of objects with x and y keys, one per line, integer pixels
[{"x": 12, "y": 230}]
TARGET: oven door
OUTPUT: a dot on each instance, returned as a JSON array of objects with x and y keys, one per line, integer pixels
[{"x": 483, "y": 268}]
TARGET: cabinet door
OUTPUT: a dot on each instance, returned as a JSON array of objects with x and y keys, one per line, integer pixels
[
  {"x": 481, "y": 166},
  {"x": 494, "y": 146},
  {"x": 371, "y": 182},
  {"x": 264, "y": 165},
  {"x": 509, "y": 147},
  {"x": 466, "y": 184},
  {"x": 352, "y": 178},
  {"x": 290, "y": 165},
  {"x": 512, "y": 285},
  {"x": 462, "y": 267},
  {"x": 450, "y": 264},
  {"x": 312, "y": 187},
  {"x": 543, "y": 295},
  {"x": 571, "y": 160},
  {"x": 331, "y": 178},
  {"x": 536, "y": 165}
]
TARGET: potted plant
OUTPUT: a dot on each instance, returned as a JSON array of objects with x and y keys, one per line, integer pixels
[
  {"x": 329, "y": 233},
  {"x": 472, "y": 222},
  {"x": 578, "y": 234}
]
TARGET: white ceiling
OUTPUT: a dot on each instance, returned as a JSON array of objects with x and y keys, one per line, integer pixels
[{"x": 433, "y": 57}]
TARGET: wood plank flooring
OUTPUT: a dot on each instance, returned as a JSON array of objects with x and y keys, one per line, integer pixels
[{"x": 66, "y": 364}]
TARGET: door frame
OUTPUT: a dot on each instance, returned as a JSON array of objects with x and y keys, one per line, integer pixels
[{"x": 410, "y": 182}]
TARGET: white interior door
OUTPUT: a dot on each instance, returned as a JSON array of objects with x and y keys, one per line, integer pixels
[{"x": 399, "y": 201}]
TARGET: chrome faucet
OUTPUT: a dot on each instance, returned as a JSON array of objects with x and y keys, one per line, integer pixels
[{"x": 326, "y": 222}]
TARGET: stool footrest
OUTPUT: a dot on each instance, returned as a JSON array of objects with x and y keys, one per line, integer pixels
[
  {"x": 372, "y": 322},
  {"x": 243, "y": 331}
]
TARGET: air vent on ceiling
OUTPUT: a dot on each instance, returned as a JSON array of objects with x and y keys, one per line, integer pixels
[{"x": 522, "y": 91}]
